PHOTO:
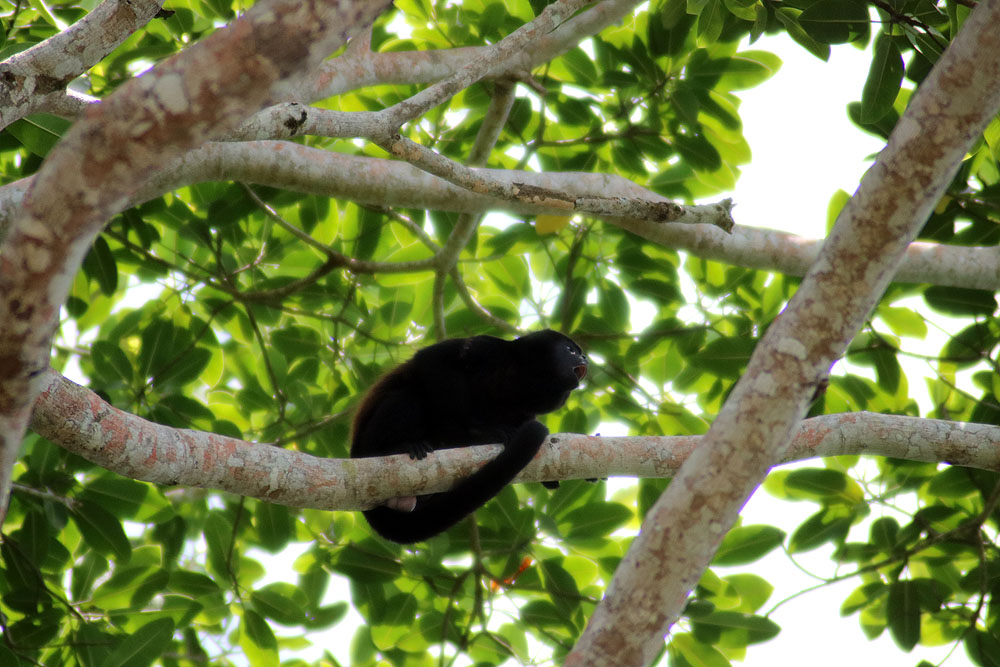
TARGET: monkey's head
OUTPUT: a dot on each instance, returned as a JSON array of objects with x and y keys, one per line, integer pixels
[{"x": 555, "y": 366}]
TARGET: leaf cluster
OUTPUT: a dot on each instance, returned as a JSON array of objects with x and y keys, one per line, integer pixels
[{"x": 205, "y": 309}]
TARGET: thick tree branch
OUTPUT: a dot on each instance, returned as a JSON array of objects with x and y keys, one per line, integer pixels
[
  {"x": 90, "y": 175},
  {"x": 378, "y": 182},
  {"x": 682, "y": 531},
  {"x": 35, "y": 79},
  {"x": 78, "y": 420}
]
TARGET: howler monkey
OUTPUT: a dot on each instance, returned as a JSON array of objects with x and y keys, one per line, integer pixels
[{"x": 461, "y": 392}]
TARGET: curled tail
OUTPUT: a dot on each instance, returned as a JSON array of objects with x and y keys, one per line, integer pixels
[{"x": 436, "y": 513}]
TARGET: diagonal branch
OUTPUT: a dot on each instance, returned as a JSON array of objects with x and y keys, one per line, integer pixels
[
  {"x": 91, "y": 174},
  {"x": 682, "y": 531},
  {"x": 36, "y": 78}
]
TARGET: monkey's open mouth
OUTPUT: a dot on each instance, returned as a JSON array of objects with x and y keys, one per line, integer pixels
[{"x": 581, "y": 372}]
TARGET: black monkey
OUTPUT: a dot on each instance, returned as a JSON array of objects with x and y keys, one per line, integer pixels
[{"x": 457, "y": 393}]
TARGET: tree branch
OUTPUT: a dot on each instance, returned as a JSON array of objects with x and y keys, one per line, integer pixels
[
  {"x": 35, "y": 79},
  {"x": 90, "y": 175},
  {"x": 371, "y": 181},
  {"x": 684, "y": 528},
  {"x": 81, "y": 422}
]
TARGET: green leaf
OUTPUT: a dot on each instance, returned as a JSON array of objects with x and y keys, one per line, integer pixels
[
  {"x": 697, "y": 653},
  {"x": 296, "y": 341},
  {"x": 101, "y": 530},
  {"x": 595, "y": 520},
  {"x": 836, "y": 21},
  {"x": 711, "y": 19},
  {"x": 790, "y": 19},
  {"x": 725, "y": 357},
  {"x": 370, "y": 224},
  {"x": 822, "y": 527},
  {"x": 903, "y": 614},
  {"x": 884, "y": 77},
  {"x": 825, "y": 484},
  {"x": 903, "y": 321},
  {"x": 219, "y": 538},
  {"x": 560, "y": 585},
  {"x": 744, "y": 9},
  {"x": 274, "y": 525},
  {"x": 542, "y": 614},
  {"x": 367, "y": 561},
  {"x": 961, "y": 301},
  {"x": 614, "y": 306},
  {"x": 100, "y": 265},
  {"x": 183, "y": 369},
  {"x": 628, "y": 159},
  {"x": 33, "y": 537},
  {"x": 582, "y": 67},
  {"x": 572, "y": 111},
  {"x": 885, "y": 363},
  {"x": 744, "y": 70},
  {"x": 970, "y": 345},
  {"x": 748, "y": 69},
  {"x": 863, "y": 596},
  {"x": 929, "y": 45},
  {"x": 110, "y": 363},
  {"x": 952, "y": 482},
  {"x": 697, "y": 151},
  {"x": 39, "y": 132},
  {"x": 36, "y": 630},
  {"x": 983, "y": 648},
  {"x": 258, "y": 641},
  {"x": 142, "y": 647},
  {"x": 281, "y": 602},
  {"x": 123, "y": 496},
  {"x": 194, "y": 584},
  {"x": 745, "y": 544},
  {"x": 755, "y": 629},
  {"x": 754, "y": 590},
  {"x": 883, "y": 533},
  {"x": 7, "y": 657},
  {"x": 180, "y": 411},
  {"x": 325, "y": 617},
  {"x": 86, "y": 573},
  {"x": 157, "y": 346}
]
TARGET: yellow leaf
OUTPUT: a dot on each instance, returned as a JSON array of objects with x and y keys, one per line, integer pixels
[{"x": 550, "y": 224}]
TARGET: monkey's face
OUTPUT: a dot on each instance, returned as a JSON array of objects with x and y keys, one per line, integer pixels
[{"x": 557, "y": 367}]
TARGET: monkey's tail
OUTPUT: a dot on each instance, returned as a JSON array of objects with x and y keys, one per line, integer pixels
[{"x": 435, "y": 514}]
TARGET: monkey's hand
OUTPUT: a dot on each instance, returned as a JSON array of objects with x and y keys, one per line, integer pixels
[{"x": 419, "y": 450}]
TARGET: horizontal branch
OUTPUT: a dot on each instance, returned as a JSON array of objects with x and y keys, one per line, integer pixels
[
  {"x": 379, "y": 182},
  {"x": 78, "y": 420}
]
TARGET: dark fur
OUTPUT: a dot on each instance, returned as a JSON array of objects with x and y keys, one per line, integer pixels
[{"x": 462, "y": 392}]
